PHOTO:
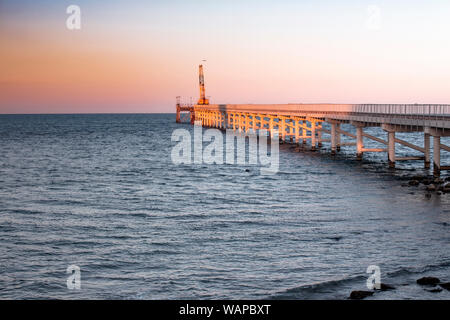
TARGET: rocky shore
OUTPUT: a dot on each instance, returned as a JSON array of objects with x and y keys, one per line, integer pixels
[
  {"x": 430, "y": 284},
  {"x": 429, "y": 184}
]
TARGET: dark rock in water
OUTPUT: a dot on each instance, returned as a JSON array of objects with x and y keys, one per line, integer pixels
[
  {"x": 428, "y": 195},
  {"x": 431, "y": 187},
  {"x": 427, "y": 182},
  {"x": 358, "y": 295},
  {"x": 435, "y": 290},
  {"x": 438, "y": 181},
  {"x": 247, "y": 170},
  {"x": 418, "y": 178},
  {"x": 447, "y": 179},
  {"x": 385, "y": 287},
  {"x": 428, "y": 281},
  {"x": 438, "y": 193},
  {"x": 413, "y": 183},
  {"x": 446, "y": 285},
  {"x": 337, "y": 238}
]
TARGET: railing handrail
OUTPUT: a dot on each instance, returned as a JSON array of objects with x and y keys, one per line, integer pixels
[{"x": 391, "y": 109}]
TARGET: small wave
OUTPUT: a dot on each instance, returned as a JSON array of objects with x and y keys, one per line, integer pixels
[
  {"x": 318, "y": 287},
  {"x": 162, "y": 252},
  {"x": 421, "y": 269},
  {"x": 25, "y": 211}
]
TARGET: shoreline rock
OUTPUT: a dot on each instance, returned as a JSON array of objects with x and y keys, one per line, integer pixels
[
  {"x": 385, "y": 287},
  {"x": 359, "y": 295},
  {"x": 413, "y": 183},
  {"x": 428, "y": 281},
  {"x": 446, "y": 285},
  {"x": 430, "y": 185}
]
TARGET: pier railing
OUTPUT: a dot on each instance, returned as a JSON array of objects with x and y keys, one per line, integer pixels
[{"x": 390, "y": 109}]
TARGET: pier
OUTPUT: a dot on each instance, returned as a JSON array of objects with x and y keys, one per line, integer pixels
[{"x": 304, "y": 124}]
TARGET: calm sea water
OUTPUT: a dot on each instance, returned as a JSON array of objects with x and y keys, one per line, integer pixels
[{"x": 101, "y": 192}]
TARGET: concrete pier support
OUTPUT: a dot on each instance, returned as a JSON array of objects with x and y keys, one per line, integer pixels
[
  {"x": 313, "y": 136},
  {"x": 291, "y": 131},
  {"x": 240, "y": 122},
  {"x": 437, "y": 146},
  {"x": 319, "y": 135},
  {"x": 391, "y": 149},
  {"x": 178, "y": 118},
  {"x": 271, "y": 126},
  {"x": 426, "y": 144},
  {"x": 437, "y": 155},
  {"x": 283, "y": 129},
  {"x": 247, "y": 122},
  {"x": 338, "y": 137},
  {"x": 359, "y": 143},
  {"x": 304, "y": 132},
  {"x": 297, "y": 131},
  {"x": 333, "y": 138},
  {"x": 254, "y": 123}
]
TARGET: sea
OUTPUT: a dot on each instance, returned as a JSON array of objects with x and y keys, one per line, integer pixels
[{"x": 101, "y": 192}]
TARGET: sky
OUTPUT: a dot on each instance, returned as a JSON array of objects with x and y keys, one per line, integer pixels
[{"x": 136, "y": 56}]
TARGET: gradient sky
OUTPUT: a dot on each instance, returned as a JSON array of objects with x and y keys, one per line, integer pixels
[{"x": 137, "y": 56}]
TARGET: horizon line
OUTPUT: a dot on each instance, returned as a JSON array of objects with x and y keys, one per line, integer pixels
[{"x": 82, "y": 113}]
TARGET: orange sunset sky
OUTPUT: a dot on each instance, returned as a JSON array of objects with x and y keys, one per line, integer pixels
[{"x": 137, "y": 56}]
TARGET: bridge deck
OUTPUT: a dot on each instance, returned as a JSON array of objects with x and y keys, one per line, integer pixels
[{"x": 435, "y": 116}]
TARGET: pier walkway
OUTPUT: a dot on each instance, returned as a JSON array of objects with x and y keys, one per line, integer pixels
[{"x": 303, "y": 124}]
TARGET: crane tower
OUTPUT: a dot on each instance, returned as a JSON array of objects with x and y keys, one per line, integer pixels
[{"x": 201, "y": 78}]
